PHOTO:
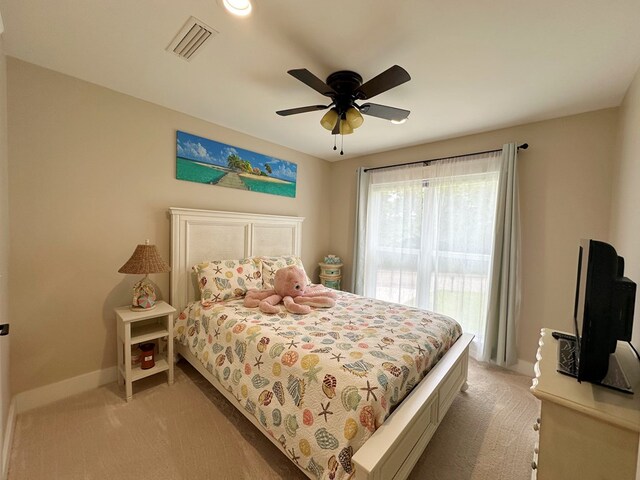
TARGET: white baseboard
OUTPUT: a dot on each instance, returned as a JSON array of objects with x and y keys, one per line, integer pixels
[
  {"x": 41, "y": 396},
  {"x": 8, "y": 439},
  {"x": 523, "y": 367}
]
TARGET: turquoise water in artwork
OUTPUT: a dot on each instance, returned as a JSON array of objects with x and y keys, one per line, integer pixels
[
  {"x": 284, "y": 189},
  {"x": 196, "y": 172}
]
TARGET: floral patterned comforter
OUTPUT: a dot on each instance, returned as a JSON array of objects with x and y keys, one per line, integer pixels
[{"x": 319, "y": 383}]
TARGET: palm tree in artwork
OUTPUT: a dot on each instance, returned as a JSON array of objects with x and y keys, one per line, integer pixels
[
  {"x": 267, "y": 167},
  {"x": 234, "y": 162}
]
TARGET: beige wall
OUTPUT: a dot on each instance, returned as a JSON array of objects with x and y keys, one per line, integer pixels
[
  {"x": 625, "y": 213},
  {"x": 5, "y": 393},
  {"x": 565, "y": 195},
  {"x": 92, "y": 174}
]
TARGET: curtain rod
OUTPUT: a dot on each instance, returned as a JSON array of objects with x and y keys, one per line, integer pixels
[{"x": 524, "y": 146}]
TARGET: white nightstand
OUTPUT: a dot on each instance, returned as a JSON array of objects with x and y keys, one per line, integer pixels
[{"x": 140, "y": 327}]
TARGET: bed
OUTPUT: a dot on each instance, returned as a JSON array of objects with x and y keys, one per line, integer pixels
[{"x": 326, "y": 388}]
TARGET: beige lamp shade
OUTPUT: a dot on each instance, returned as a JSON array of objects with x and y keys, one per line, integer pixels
[
  {"x": 145, "y": 260},
  {"x": 345, "y": 128},
  {"x": 354, "y": 118},
  {"x": 329, "y": 119}
]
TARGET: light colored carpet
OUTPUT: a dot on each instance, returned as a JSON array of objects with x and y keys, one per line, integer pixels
[
  {"x": 487, "y": 433},
  {"x": 189, "y": 431}
]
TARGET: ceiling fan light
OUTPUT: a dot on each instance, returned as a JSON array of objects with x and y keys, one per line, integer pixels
[
  {"x": 354, "y": 118},
  {"x": 399, "y": 122},
  {"x": 345, "y": 128},
  {"x": 329, "y": 119},
  {"x": 242, "y": 8}
]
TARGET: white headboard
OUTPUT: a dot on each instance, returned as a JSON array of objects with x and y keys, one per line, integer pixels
[{"x": 201, "y": 235}]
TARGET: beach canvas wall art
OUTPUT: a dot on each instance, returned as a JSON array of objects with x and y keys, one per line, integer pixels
[{"x": 202, "y": 160}]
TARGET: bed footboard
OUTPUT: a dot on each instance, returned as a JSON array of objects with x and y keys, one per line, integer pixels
[{"x": 393, "y": 450}]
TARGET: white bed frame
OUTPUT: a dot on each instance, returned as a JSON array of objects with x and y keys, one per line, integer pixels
[{"x": 393, "y": 450}]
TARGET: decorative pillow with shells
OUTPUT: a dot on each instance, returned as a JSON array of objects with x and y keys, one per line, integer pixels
[
  {"x": 270, "y": 265},
  {"x": 220, "y": 280}
]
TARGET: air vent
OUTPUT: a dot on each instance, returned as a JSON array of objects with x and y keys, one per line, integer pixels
[{"x": 188, "y": 41}]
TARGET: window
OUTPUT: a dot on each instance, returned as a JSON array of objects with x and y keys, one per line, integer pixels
[{"x": 429, "y": 237}]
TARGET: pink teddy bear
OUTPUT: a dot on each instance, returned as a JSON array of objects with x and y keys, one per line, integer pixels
[{"x": 290, "y": 287}]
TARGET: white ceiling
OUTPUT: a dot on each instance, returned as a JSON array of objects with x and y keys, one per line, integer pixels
[{"x": 476, "y": 65}]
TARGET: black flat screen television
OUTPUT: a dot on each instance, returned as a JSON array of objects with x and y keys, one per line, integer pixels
[{"x": 603, "y": 314}]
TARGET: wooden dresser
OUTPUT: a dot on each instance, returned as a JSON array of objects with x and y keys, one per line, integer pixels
[{"x": 586, "y": 431}]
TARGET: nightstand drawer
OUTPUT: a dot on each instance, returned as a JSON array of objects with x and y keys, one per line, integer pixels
[{"x": 331, "y": 271}]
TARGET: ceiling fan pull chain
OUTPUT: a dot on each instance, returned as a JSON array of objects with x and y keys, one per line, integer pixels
[
  {"x": 341, "y": 144},
  {"x": 334, "y": 143}
]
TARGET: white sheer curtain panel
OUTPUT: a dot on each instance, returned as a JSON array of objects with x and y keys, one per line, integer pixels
[{"x": 425, "y": 237}]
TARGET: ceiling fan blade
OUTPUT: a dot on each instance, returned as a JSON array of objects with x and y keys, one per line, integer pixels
[
  {"x": 382, "y": 111},
  {"x": 294, "y": 111},
  {"x": 308, "y": 78},
  {"x": 387, "y": 80}
]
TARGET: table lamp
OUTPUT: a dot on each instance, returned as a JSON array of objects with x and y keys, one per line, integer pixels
[{"x": 145, "y": 260}]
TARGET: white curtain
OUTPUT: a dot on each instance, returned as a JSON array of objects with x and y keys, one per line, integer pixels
[
  {"x": 504, "y": 303},
  {"x": 425, "y": 237}
]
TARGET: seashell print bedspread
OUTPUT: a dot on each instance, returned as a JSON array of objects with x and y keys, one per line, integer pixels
[{"x": 319, "y": 383}]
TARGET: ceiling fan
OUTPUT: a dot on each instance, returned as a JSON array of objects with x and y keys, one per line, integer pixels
[{"x": 345, "y": 88}]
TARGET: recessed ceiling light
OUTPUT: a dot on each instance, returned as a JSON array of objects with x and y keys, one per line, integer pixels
[
  {"x": 242, "y": 8},
  {"x": 398, "y": 122}
]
